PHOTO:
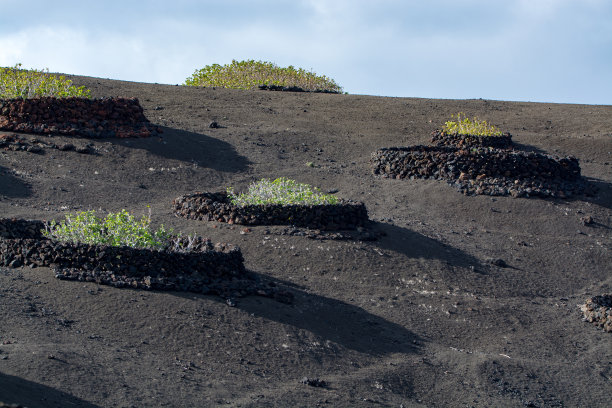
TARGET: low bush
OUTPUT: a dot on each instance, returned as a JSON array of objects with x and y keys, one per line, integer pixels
[
  {"x": 23, "y": 83},
  {"x": 116, "y": 229},
  {"x": 251, "y": 74},
  {"x": 464, "y": 126},
  {"x": 280, "y": 191}
]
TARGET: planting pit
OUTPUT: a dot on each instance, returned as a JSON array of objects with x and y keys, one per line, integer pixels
[
  {"x": 94, "y": 118},
  {"x": 347, "y": 215},
  {"x": 481, "y": 170},
  {"x": 598, "y": 310},
  {"x": 202, "y": 268}
]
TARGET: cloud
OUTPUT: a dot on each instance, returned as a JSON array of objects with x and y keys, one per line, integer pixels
[{"x": 517, "y": 49}]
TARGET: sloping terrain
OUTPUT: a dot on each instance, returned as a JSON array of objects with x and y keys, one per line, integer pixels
[{"x": 420, "y": 317}]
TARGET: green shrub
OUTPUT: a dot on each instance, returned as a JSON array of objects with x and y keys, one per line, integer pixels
[
  {"x": 280, "y": 191},
  {"x": 250, "y": 74},
  {"x": 22, "y": 83},
  {"x": 117, "y": 229},
  {"x": 465, "y": 126}
]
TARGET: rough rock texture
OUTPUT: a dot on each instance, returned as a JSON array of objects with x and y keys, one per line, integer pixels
[
  {"x": 441, "y": 138},
  {"x": 217, "y": 207},
  {"x": 101, "y": 117},
  {"x": 202, "y": 268},
  {"x": 483, "y": 170},
  {"x": 598, "y": 310}
]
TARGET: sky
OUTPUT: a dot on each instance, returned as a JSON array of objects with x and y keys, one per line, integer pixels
[{"x": 518, "y": 50}]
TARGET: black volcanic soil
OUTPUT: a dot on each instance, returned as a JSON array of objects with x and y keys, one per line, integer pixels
[{"x": 421, "y": 317}]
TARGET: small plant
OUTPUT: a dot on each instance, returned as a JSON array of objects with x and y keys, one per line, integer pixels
[
  {"x": 117, "y": 229},
  {"x": 280, "y": 191},
  {"x": 250, "y": 74},
  {"x": 22, "y": 83},
  {"x": 465, "y": 126}
]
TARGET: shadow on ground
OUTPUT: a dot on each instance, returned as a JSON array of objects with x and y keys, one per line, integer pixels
[
  {"x": 193, "y": 148},
  {"x": 11, "y": 186},
  {"x": 348, "y": 326},
  {"x": 600, "y": 193},
  {"x": 15, "y": 390},
  {"x": 527, "y": 148},
  {"x": 414, "y": 245}
]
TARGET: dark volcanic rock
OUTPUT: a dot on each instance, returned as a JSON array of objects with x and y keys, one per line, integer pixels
[
  {"x": 292, "y": 89},
  {"x": 103, "y": 117},
  {"x": 187, "y": 264},
  {"x": 346, "y": 215},
  {"x": 313, "y": 382},
  {"x": 483, "y": 170},
  {"x": 598, "y": 310},
  {"x": 441, "y": 138}
]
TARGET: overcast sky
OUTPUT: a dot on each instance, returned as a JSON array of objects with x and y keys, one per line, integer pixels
[{"x": 522, "y": 50}]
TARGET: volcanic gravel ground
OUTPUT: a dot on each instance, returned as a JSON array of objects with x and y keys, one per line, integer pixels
[{"x": 460, "y": 301}]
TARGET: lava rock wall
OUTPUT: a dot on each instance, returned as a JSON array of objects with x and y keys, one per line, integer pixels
[
  {"x": 483, "y": 170},
  {"x": 451, "y": 162},
  {"x": 347, "y": 215},
  {"x": 22, "y": 244},
  {"x": 199, "y": 267},
  {"x": 95, "y": 118},
  {"x": 18, "y": 228},
  {"x": 272, "y": 87},
  {"x": 440, "y": 138}
]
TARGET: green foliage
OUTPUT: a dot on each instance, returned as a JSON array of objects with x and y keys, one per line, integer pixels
[
  {"x": 250, "y": 74},
  {"x": 117, "y": 229},
  {"x": 280, "y": 191},
  {"x": 465, "y": 126},
  {"x": 22, "y": 83}
]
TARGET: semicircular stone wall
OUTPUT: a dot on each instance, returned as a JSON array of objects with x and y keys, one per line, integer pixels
[{"x": 95, "y": 118}]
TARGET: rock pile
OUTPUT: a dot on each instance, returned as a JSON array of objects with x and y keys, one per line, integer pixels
[
  {"x": 96, "y": 118},
  {"x": 475, "y": 169},
  {"x": 598, "y": 310},
  {"x": 347, "y": 215},
  {"x": 201, "y": 268}
]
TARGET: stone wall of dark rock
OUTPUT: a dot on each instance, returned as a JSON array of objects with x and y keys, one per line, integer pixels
[
  {"x": 103, "y": 117},
  {"x": 272, "y": 87},
  {"x": 203, "y": 268},
  {"x": 17, "y": 228},
  {"x": 346, "y": 215},
  {"x": 441, "y": 138},
  {"x": 483, "y": 170}
]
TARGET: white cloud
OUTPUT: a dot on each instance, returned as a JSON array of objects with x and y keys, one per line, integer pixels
[{"x": 439, "y": 48}]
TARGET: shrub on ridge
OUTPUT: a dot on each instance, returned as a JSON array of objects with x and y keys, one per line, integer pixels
[
  {"x": 16, "y": 82},
  {"x": 250, "y": 74}
]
